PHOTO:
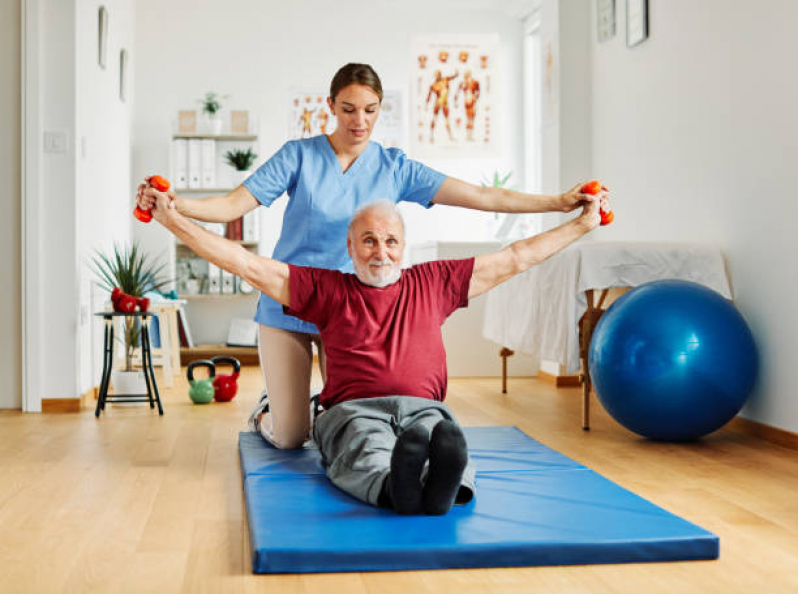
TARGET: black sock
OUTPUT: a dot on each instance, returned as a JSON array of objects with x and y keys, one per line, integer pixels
[
  {"x": 410, "y": 453},
  {"x": 448, "y": 456}
]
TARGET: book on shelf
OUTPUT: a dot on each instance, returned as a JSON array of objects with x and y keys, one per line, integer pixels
[
  {"x": 243, "y": 333},
  {"x": 183, "y": 329}
]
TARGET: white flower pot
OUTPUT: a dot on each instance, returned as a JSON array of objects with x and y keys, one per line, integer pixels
[
  {"x": 212, "y": 124},
  {"x": 128, "y": 382},
  {"x": 238, "y": 177}
]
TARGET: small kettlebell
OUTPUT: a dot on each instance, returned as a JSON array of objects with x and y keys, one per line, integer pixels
[
  {"x": 226, "y": 385},
  {"x": 201, "y": 390}
]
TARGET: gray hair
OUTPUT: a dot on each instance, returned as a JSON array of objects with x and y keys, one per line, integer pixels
[{"x": 383, "y": 205}]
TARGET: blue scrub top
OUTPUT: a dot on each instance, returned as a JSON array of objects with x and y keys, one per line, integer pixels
[{"x": 321, "y": 201}]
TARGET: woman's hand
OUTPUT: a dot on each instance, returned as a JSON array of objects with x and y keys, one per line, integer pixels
[{"x": 574, "y": 198}]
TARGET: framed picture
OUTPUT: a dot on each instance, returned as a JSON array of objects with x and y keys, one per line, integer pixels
[
  {"x": 102, "y": 37},
  {"x": 605, "y": 19},
  {"x": 239, "y": 122},
  {"x": 122, "y": 75},
  {"x": 187, "y": 122},
  {"x": 636, "y": 21}
]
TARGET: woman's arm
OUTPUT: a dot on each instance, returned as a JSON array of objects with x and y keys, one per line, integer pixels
[
  {"x": 213, "y": 209},
  {"x": 454, "y": 192},
  {"x": 268, "y": 275}
]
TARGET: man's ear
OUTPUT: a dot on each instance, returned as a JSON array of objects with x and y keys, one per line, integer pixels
[{"x": 349, "y": 246}]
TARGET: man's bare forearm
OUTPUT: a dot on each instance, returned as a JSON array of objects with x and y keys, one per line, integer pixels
[{"x": 493, "y": 269}]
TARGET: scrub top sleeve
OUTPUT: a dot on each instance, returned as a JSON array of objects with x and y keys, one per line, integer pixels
[
  {"x": 416, "y": 182},
  {"x": 277, "y": 175}
]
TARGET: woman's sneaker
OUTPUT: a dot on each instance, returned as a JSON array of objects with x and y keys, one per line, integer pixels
[{"x": 253, "y": 424}]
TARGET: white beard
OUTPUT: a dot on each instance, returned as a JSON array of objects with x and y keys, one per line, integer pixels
[{"x": 378, "y": 280}]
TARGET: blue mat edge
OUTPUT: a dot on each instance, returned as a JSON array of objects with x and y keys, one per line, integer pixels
[{"x": 705, "y": 547}]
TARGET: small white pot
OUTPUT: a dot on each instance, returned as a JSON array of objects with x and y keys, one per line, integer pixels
[
  {"x": 238, "y": 177},
  {"x": 213, "y": 124},
  {"x": 128, "y": 382}
]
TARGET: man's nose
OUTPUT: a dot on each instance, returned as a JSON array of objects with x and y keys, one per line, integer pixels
[{"x": 381, "y": 251}]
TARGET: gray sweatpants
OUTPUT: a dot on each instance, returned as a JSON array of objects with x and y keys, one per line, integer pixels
[{"x": 356, "y": 439}]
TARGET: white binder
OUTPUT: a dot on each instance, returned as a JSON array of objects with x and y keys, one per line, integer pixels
[
  {"x": 208, "y": 163},
  {"x": 214, "y": 279},
  {"x": 194, "y": 163},
  {"x": 180, "y": 163},
  {"x": 251, "y": 230},
  {"x": 228, "y": 282}
]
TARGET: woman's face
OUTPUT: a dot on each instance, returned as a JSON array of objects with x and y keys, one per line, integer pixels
[{"x": 357, "y": 108}]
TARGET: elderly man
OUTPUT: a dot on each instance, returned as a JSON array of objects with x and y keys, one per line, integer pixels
[{"x": 385, "y": 435}]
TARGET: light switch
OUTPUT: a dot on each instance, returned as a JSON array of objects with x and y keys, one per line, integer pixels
[{"x": 55, "y": 141}]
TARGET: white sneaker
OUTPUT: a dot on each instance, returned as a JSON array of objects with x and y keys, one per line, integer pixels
[{"x": 260, "y": 408}]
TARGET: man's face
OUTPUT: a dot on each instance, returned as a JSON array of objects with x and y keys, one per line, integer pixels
[{"x": 376, "y": 245}]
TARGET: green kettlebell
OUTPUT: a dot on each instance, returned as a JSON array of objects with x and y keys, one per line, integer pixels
[{"x": 201, "y": 390}]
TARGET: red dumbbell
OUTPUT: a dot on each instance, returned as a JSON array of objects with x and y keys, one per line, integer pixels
[
  {"x": 159, "y": 183},
  {"x": 593, "y": 187}
]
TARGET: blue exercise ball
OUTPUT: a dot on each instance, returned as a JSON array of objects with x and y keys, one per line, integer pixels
[{"x": 672, "y": 360}]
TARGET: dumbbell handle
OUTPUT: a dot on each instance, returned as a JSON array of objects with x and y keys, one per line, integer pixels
[{"x": 159, "y": 183}]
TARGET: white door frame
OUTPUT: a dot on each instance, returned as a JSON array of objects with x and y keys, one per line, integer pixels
[{"x": 33, "y": 344}]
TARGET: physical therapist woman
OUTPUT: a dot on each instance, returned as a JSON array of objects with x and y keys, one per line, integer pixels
[{"x": 327, "y": 178}]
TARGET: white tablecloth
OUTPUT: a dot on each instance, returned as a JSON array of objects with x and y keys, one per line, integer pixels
[{"x": 537, "y": 312}]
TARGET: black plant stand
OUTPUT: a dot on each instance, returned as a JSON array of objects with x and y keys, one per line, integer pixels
[{"x": 152, "y": 395}]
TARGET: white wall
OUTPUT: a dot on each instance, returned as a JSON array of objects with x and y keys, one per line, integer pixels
[
  {"x": 103, "y": 199},
  {"x": 695, "y": 132},
  {"x": 10, "y": 175},
  {"x": 257, "y": 52}
]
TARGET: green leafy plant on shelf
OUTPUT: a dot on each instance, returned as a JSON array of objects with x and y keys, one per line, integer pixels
[
  {"x": 241, "y": 160},
  {"x": 130, "y": 269},
  {"x": 212, "y": 103}
]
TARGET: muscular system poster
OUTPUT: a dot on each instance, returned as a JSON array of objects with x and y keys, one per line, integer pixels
[{"x": 455, "y": 96}]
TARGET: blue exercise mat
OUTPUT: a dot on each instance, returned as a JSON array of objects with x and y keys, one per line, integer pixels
[{"x": 533, "y": 506}]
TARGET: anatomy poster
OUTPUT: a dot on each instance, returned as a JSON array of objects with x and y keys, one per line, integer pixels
[
  {"x": 309, "y": 115},
  {"x": 455, "y": 96}
]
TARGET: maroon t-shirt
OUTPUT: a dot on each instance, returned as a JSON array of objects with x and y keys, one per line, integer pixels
[{"x": 382, "y": 342}]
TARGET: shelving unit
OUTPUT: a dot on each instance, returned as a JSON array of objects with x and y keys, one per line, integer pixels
[{"x": 209, "y": 312}]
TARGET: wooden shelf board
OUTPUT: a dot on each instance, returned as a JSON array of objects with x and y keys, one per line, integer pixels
[
  {"x": 246, "y": 355},
  {"x": 224, "y": 137}
]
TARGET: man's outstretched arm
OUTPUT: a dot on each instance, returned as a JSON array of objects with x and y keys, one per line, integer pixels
[
  {"x": 265, "y": 274},
  {"x": 495, "y": 268}
]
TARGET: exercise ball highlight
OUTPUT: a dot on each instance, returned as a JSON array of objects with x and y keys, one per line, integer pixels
[{"x": 672, "y": 360}]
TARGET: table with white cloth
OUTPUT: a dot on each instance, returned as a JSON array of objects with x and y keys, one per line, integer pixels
[{"x": 549, "y": 312}]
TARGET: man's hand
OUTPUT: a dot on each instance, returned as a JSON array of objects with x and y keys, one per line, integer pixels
[
  {"x": 146, "y": 201},
  {"x": 574, "y": 198},
  {"x": 163, "y": 205}
]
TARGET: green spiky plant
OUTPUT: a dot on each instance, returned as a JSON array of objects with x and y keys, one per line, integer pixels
[
  {"x": 134, "y": 273},
  {"x": 241, "y": 160},
  {"x": 499, "y": 181}
]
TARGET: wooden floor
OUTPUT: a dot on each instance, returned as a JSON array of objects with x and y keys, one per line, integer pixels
[{"x": 136, "y": 503}]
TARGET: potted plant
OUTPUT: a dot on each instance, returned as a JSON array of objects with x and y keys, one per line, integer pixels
[
  {"x": 241, "y": 161},
  {"x": 130, "y": 272},
  {"x": 211, "y": 105}
]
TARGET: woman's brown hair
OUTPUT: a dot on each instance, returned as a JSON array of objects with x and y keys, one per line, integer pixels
[{"x": 355, "y": 74}]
